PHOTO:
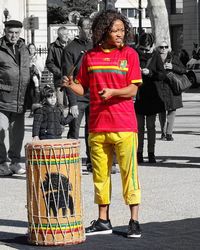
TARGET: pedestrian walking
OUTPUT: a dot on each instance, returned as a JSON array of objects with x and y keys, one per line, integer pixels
[
  {"x": 49, "y": 117},
  {"x": 172, "y": 102},
  {"x": 148, "y": 101},
  {"x": 111, "y": 71},
  {"x": 53, "y": 62},
  {"x": 14, "y": 79},
  {"x": 78, "y": 105}
]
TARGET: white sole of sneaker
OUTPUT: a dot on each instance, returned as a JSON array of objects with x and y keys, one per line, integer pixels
[
  {"x": 134, "y": 236},
  {"x": 20, "y": 172},
  {"x": 99, "y": 232}
]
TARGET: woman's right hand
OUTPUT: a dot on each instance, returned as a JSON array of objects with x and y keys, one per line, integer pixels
[{"x": 66, "y": 81}]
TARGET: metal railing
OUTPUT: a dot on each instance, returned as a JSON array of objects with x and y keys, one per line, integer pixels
[
  {"x": 42, "y": 51},
  {"x": 47, "y": 76}
]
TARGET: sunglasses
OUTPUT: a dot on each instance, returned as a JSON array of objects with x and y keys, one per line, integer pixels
[
  {"x": 49, "y": 95},
  {"x": 145, "y": 50},
  {"x": 164, "y": 47}
]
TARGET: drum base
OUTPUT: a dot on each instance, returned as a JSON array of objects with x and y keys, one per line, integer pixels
[
  {"x": 54, "y": 193},
  {"x": 42, "y": 243}
]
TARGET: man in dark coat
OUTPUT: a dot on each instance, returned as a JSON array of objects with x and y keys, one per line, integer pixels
[
  {"x": 14, "y": 79},
  {"x": 53, "y": 61},
  {"x": 78, "y": 105}
]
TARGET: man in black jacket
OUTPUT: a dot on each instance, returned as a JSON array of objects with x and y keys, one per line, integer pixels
[
  {"x": 78, "y": 105},
  {"x": 14, "y": 79},
  {"x": 53, "y": 61}
]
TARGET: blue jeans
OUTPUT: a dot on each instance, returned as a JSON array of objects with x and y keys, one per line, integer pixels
[
  {"x": 74, "y": 126},
  {"x": 14, "y": 124}
]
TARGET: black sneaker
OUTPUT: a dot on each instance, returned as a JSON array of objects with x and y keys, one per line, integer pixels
[
  {"x": 99, "y": 227},
  {"x": 134, "y": 230},
  {"x": 169, "y": 137}
]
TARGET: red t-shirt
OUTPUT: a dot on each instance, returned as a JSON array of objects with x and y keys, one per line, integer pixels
[{"x": 115, "y": 68}]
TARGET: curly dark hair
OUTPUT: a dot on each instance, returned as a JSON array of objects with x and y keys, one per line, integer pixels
[{"x": 103, "y": 23}]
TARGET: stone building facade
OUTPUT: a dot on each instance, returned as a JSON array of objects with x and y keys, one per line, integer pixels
[
  {"x": 184, "y": 20},
  {"x": 21, "y": 10}
]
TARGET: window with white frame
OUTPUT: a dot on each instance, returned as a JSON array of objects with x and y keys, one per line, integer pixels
[
  {"x": 130, "y": 12},
  {"x": 176, "y": 6}
]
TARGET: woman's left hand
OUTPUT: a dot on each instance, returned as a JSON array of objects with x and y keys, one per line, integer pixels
[
  {"x": 106, "y": 93},
  {"x": 145, "y": 71},
  {"x": 168, "y": 65}
]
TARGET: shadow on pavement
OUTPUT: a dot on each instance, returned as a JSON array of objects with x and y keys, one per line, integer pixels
[
  {"x": 183, "y": 132},
  {"x": 186, "y": 132},
  {"x": 12, "y": 223},
  {"x": 14, "y": 177},
  {"x": 173, "y": 162},
  {"x": 181, "y": 234},
  {"x": 193, "y": 90}
]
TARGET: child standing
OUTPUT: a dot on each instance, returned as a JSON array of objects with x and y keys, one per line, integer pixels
[
  {"x": 49, "y": 117},
  {"x": 112, "y": 73}
]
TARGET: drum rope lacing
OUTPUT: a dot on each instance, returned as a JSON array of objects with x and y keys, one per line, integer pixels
[{"x": 73, "y": 152}]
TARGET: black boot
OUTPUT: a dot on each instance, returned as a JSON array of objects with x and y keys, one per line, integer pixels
[
  {"x": 152, "y": 158},
  {"x": 169, "y": 137},
  {"x": 140, "y": 158},
  {"x": 163, "y": 137},
  {"x": 89, "y": 167}
]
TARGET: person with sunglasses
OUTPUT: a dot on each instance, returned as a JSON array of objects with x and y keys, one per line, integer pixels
[
  {"x": 148, "y": 101},
  {"x": 171, "y": 62}
]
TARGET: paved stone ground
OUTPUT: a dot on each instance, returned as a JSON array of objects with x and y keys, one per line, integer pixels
[{"x": 169, "y": 213}]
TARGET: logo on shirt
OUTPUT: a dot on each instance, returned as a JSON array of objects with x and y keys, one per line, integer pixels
[{"x": 123, "y": 63}]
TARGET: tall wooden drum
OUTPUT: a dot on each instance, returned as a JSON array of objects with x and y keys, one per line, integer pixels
[{"x": 54, "y": 202}]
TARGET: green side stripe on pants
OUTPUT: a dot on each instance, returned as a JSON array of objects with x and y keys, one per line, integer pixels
[{"x": 133, "y": 161}]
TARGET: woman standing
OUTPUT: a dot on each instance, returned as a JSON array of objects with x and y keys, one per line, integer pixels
[
  {"x": 36, "y": 68},
  {"x": 172, "y": 102},
  {"x": 111, "y": 71},
  {"x": 148, "y": 100}
]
